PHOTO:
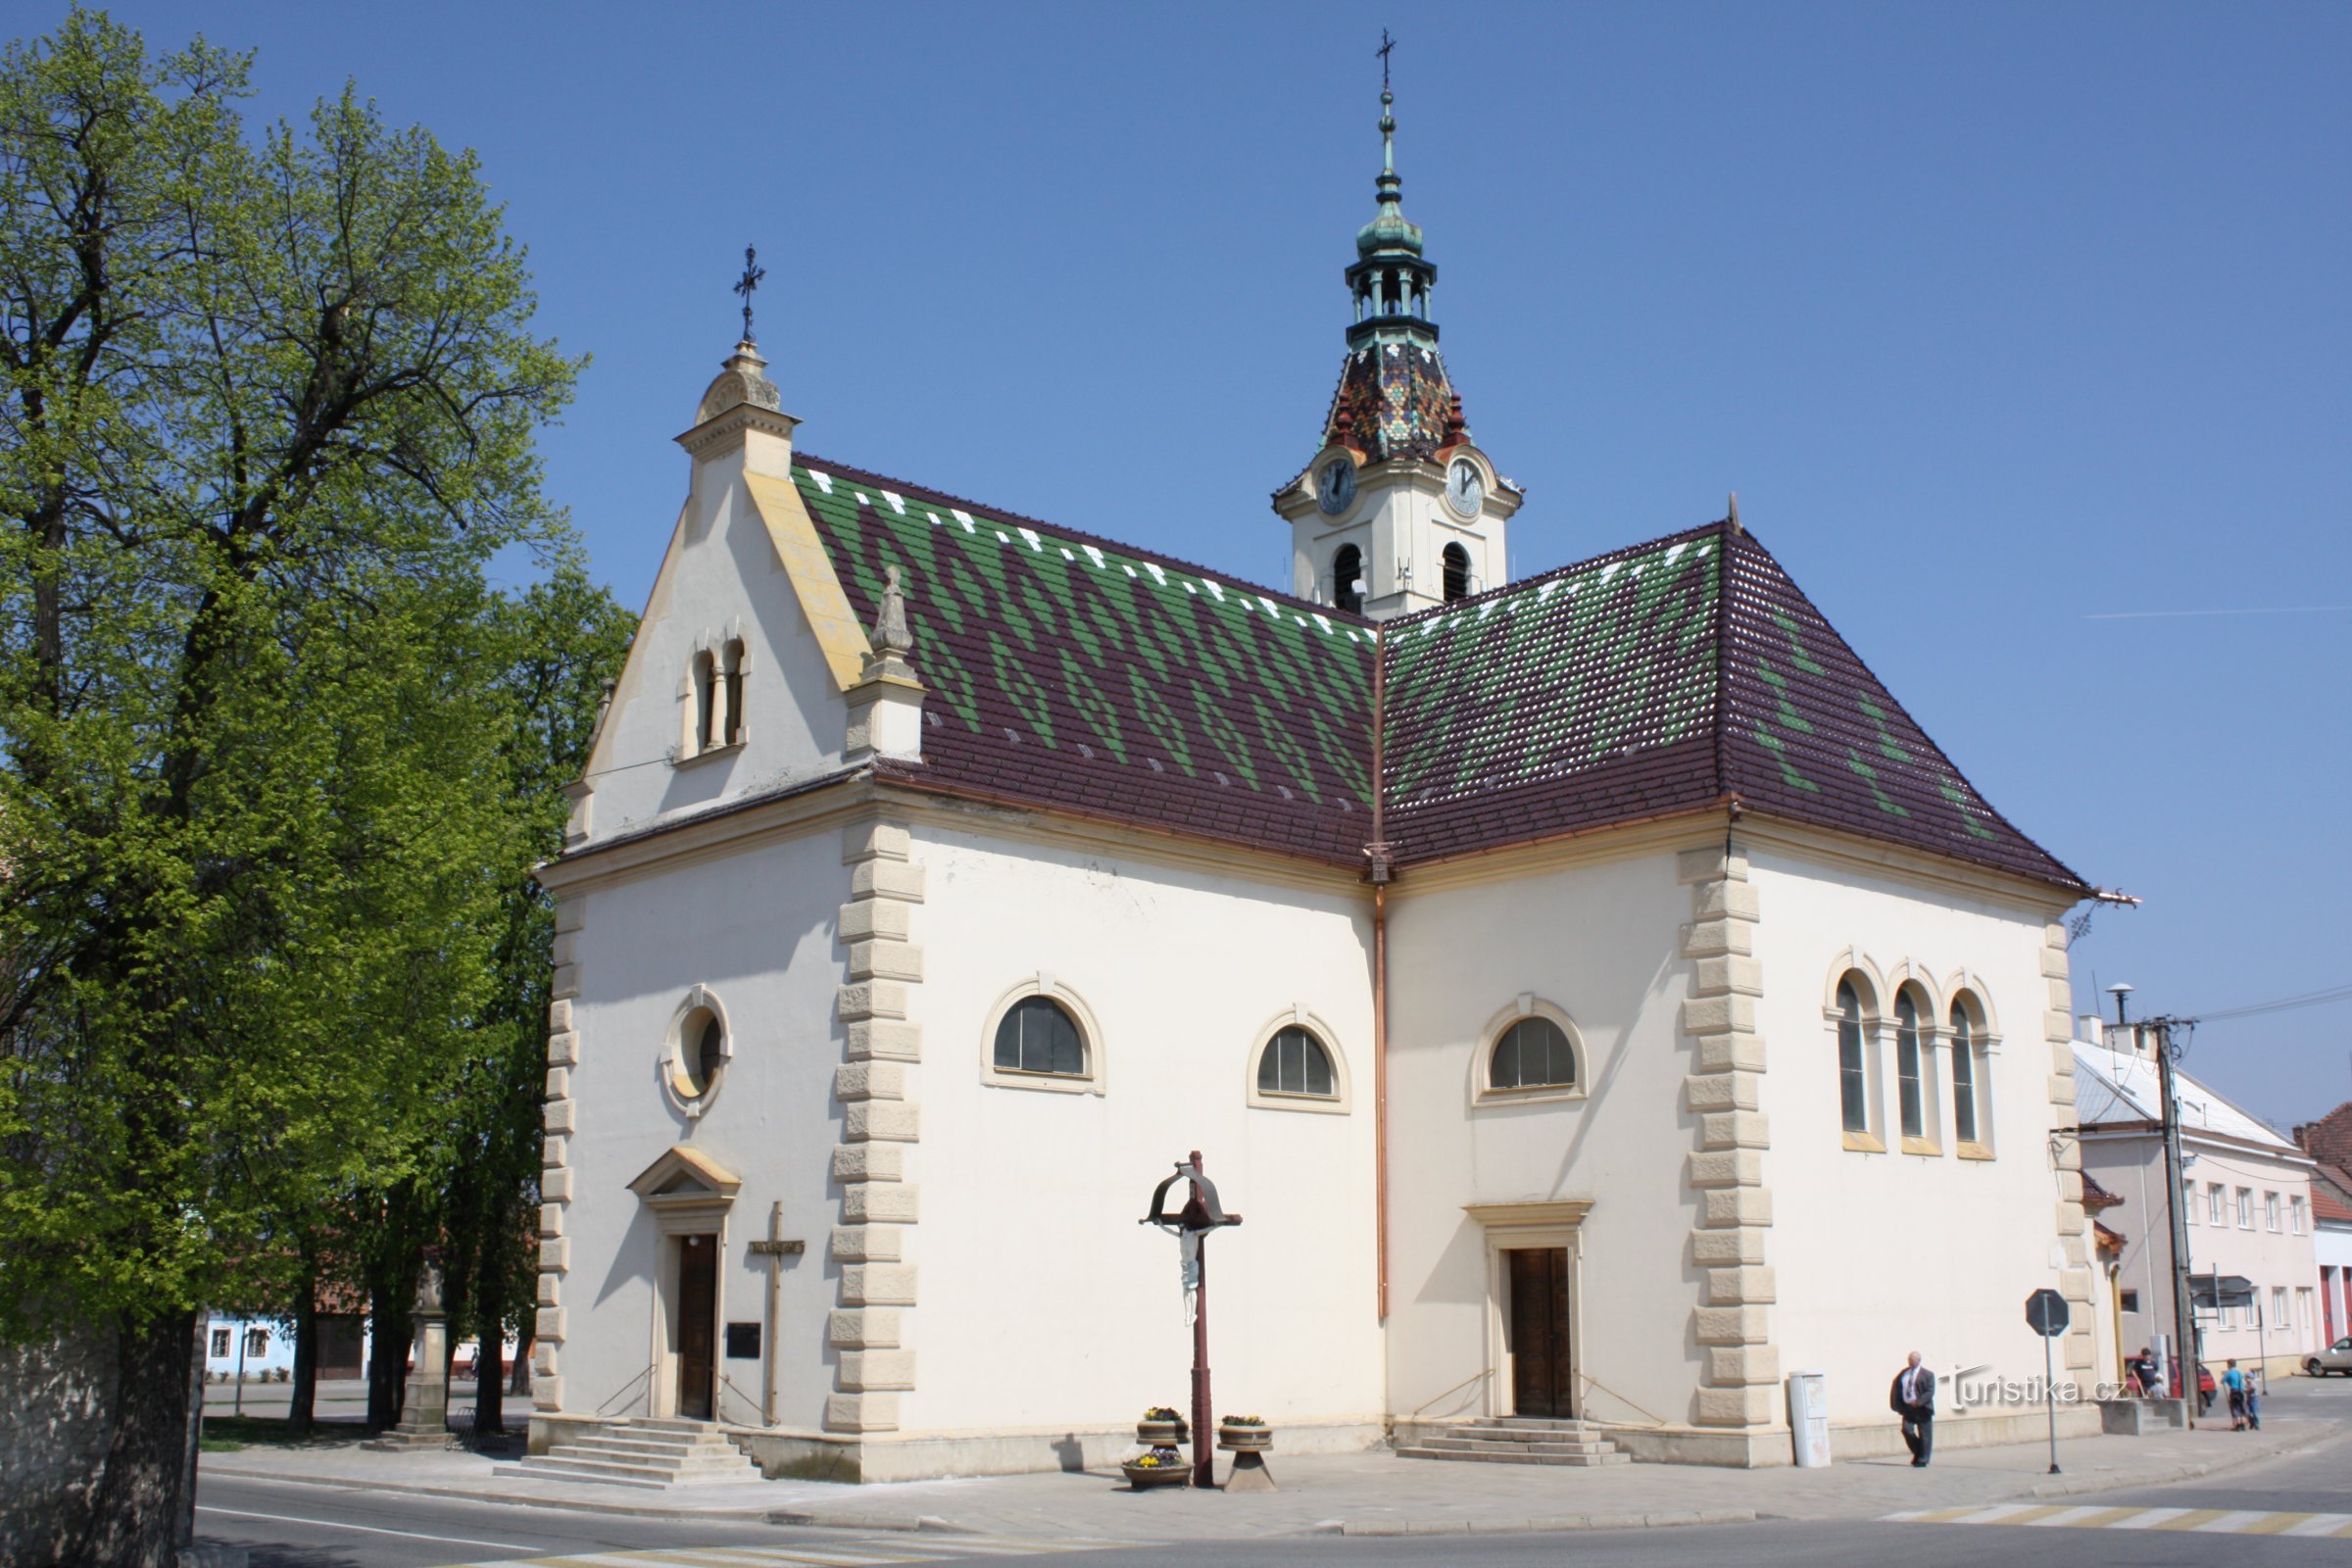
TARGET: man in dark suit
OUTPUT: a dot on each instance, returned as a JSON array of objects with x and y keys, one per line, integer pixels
[{"x": 1913, "y": 1398}]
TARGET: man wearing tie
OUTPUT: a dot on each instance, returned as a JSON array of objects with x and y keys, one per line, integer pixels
[{"x": 1913, "y": 1398}]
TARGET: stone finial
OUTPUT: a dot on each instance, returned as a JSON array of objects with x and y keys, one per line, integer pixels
[
  {"x": 892, "y": 639},
  {"x": 742, "y": 378}
]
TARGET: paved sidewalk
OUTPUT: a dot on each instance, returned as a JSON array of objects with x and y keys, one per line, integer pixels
[{"x": 1364, "y": 1494}]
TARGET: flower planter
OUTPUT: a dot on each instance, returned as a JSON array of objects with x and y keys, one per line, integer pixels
[
  {"x": 1244, "y": 1440},
  {"x": 1143, "y": 1477},
  {"x": 1161, "y": 1434}
]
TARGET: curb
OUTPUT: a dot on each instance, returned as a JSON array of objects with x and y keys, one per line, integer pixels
[
  {"x": 1547, "y": 1525},
  {"x": 510, "y": 1499},
  {"x": 2181, "y": 1472}
]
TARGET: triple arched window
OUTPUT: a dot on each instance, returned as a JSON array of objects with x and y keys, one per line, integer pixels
[{"x": 1940, "y": 1064}]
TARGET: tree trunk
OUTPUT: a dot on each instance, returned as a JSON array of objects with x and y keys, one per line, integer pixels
[
  {"x": 302, "y": 1399},
  {"x": 520, "y": 1382},
  {"x": 145, "y": 1510},
  {"x": 391, "y": 1326},
  {"x": 489, "y": 1370}
]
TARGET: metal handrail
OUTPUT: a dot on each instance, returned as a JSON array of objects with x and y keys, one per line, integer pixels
[
  {"x": 1655, "y": 1420},
  {"x": 1482, "y": 1372},
  {"x": 626, "y": 1389},
  {"x": 727, "y": 1386}
]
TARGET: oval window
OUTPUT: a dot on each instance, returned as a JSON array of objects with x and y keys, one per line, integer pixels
[{"x": 702, "y": 1052}]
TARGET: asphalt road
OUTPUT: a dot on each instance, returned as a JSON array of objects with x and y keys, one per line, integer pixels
[{"x": 289, "y": 1525}]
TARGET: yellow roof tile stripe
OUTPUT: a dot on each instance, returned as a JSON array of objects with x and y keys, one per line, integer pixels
[{"x": 794, "y": 534}]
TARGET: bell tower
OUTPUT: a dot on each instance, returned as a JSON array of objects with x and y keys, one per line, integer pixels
[{"x": 1399, "y": 510}]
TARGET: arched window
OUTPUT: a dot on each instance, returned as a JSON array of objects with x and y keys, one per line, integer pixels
[
  {"x": 1853, "y": 1074},
  {"x": 1964, "y": 1076},
  {"x": 1907, "y": 1063},
  {"x": 1971, "y": 1121},
  {"x": 1457, "y": 573},
  {"x": 1294, "y": 1062},
  {"x": 1532, "y": 1053},
  {"x": 1347, "y": 579},
  {"x": 731, "y": 673},
  {"x": 706, "y": 700},
  {"x": 1036, "y": 1035}
]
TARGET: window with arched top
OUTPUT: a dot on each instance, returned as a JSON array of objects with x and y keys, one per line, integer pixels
[
  {"x": 1347, "y": 579},
  {"x": 1907, "y": 1072},
  {"x": 1038, "y": 1035},
  {"x": 731, "y": 688},
  {"x": 1853, "y": 1062},
  {"x": 1295, "y": 1062},
  {"x": 1972, "y": 1074},
  {"x": 706, "y": 700},
  {"x": 1532, "y": 1053},
  {"x": 1457, "y": 573}
]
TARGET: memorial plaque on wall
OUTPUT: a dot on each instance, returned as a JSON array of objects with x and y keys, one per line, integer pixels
[{"x": 743, "y": 1342}]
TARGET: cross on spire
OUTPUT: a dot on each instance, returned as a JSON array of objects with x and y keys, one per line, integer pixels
[
  {"x": 753, "y": 273},
  {"x": 1386, "y": 45}
]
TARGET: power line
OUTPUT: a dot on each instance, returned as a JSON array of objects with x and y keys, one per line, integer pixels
[{"x": 2309, "y": 999}]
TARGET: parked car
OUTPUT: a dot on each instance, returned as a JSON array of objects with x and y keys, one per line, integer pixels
[
  {"x": 2205, "y": 1386},
  {"x": 2337, "y": 1357}
]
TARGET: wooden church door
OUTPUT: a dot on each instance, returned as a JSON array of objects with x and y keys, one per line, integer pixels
[
  {"x": 698, "y": 1334},
  {"x": 1541, "y": 1381}
]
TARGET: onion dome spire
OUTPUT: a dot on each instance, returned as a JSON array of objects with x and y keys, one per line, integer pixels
[{"x": 1393, "y": 398}]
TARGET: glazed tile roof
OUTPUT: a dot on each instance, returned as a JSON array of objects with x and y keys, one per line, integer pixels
[
  {"x": 1669, "y": 677},
  {"x": 1393, "y": 400},
  {"x": 1070, "y": 672}
]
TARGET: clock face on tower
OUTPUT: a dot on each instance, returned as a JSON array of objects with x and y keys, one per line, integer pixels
[
  {"x": 1336, "y": 492},
  {"x": 1465, "y": 488}
]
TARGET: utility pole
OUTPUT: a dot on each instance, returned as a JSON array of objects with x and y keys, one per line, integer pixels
[{"x": 2184, "y": 1329}]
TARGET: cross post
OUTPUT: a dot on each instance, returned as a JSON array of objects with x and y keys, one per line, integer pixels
[{"x": 775, "y": 1249}]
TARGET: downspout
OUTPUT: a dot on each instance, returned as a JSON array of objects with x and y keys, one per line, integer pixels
[{"x": 1376, "y": 854}]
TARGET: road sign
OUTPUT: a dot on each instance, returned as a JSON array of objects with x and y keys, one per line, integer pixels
[{"x": 2045, "y": 1313}]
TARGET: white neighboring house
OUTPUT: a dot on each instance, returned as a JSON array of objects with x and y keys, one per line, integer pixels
[
  {"x": 2246, "y": 1191},
  {"x": 2328, "y": 1140},
  {"x": 256, "y": 1348},
  {"x": 1595, "y": 992}
]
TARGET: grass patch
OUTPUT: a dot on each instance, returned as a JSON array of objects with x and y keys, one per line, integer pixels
[{"x": 226, "y": 1434}]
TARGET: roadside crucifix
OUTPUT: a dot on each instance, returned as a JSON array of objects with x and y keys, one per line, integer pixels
[
  {"x": 1190, "y": 1225},
  {"x": 775, "y": 1249}
]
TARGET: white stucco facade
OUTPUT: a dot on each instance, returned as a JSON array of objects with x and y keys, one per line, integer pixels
[
  {"x": 2247, "y": 1201},
  {"x": 792, "y": 1188}
]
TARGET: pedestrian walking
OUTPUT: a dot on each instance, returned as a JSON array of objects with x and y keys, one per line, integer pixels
[
  {"x": 2235, "y": 1382},
  {"x": 2254, "y": 1400},
  {"x": 1913, "y": 1398}
]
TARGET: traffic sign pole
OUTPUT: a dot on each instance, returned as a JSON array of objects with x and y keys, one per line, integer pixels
[
  {"x": 2047, "y": 1314},
  {"x": 2049, "y": 1394}
]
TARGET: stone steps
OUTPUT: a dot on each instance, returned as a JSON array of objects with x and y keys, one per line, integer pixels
[
  {"x": 645, "y": 1453},
  {"x": 1514, "y": 1439}
]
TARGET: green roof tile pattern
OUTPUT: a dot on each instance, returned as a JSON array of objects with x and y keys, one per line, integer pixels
[{"x": 1068, "y": 670}]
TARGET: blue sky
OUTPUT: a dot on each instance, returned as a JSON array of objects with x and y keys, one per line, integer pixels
[{"x": 2000, "y": 319}]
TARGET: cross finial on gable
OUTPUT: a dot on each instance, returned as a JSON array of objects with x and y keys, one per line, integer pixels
[
  {"x": 753, "y": 273},
  {"x": 1388, "y": 46}
]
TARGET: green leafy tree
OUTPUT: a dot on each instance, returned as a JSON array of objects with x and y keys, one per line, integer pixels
[{"x": 267, "y": 414}]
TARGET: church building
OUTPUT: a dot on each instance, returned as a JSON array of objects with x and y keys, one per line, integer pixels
[{"x": 1596, "y": 995}]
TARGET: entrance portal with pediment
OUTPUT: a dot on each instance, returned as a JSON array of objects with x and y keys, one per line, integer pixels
[{"x": 690, "y": 1196}]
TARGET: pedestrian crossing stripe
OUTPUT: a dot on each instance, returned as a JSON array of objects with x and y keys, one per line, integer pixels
[
  {"x": 846, "y": 1556},
  {"x": 2201, "y": 1521}
]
